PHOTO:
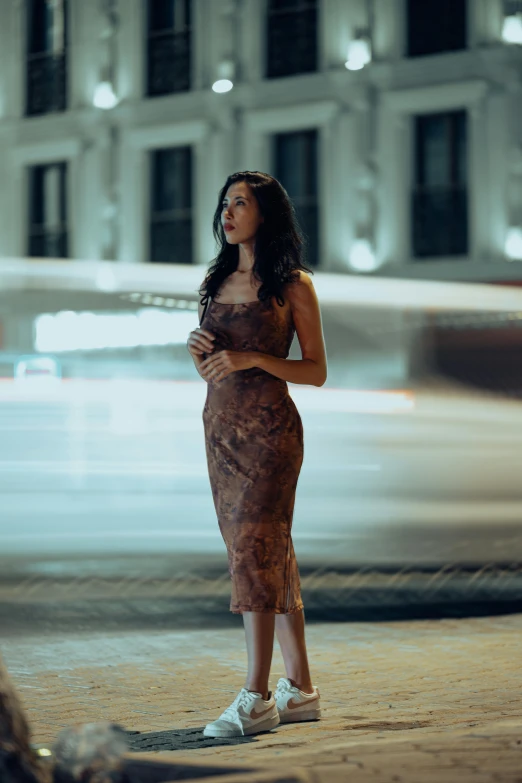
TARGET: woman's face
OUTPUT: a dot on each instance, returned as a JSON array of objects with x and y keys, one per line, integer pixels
[{"x": 240, "y": 216}]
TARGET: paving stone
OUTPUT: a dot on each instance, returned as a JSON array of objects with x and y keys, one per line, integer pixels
[{"x": 437, "y": 697}]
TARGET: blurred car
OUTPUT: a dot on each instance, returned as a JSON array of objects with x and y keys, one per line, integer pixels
[{"x": 37, "y": 371}]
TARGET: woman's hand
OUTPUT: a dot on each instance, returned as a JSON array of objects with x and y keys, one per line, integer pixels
[
  {"x": 222, "y": 363},
  {"x": 200, "y": 341}
]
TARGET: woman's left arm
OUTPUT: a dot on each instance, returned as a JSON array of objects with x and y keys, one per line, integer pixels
[{"x": 311, "y": 369}]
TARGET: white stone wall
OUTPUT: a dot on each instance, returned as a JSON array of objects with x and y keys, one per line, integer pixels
[{"x": 363, "y": 120}]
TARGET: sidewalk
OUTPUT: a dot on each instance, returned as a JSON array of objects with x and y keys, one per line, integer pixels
[{"x": 434, "y": 700}]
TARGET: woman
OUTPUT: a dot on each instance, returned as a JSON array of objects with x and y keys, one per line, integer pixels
[
  {"x": 255, "y": 296},
  {"x": 18, "y": 762}
]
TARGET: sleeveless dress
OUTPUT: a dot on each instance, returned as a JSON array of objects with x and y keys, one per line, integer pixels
[{"x": 254, "y": 448}]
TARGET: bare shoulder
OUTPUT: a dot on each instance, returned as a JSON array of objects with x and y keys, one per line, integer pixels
[
  {"x": 301, "y": 292},
  {"x": 303, "y": 277}
]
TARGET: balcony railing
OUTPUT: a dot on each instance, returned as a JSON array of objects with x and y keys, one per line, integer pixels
[
  {"x": 439, "y": 222},
  {"x": 171, "y": 237},
  {"x": 45, "y": 243},
  {"x": 291, "y": 42},
  {"x": 46, "y": 83},
  {"x": 169, "y": 62}
]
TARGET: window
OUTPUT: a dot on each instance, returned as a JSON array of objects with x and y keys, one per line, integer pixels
[
  {"x": 512, "y": 7},
  {"x": 440, "y": 199},
  {"x": 168, "y": 46},
  {"x": 435, "y": 26},
  {"x": 46, "y": 62},
  {"x": 171, "y": 205},
  {"x": 48, "y": 211},
  {"x": 296, "y": 169},
  {"x": 291, "y": 37}
]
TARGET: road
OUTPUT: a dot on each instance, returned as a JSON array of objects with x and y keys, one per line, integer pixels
[{"x": 120, "y": 466}]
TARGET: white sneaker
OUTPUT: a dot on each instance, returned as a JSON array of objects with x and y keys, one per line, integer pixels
[
  {"x": 295, "y": 705},
  {"x": 249, "y": 713}
]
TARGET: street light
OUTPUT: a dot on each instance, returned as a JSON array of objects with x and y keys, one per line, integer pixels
[
  {"x": 512, "y": 29},
  {"x": 359, "y": 52},
  {"x": 104, "y": 96},
  {"x": 362, "y": 256},
  {"x": 513, "y": 243},
  {"x": 225, "y": 73}
]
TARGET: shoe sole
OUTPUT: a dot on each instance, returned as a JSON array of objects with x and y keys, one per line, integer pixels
[
  {"x": 297, "y": 717},
  {"x": 264, "y": 725}
]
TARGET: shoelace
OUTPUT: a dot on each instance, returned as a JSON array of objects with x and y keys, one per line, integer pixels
[
  {"x": 239, "y": 701},
  {"x": 283, "y": 688}
]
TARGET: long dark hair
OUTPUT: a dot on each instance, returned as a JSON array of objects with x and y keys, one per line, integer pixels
[{"x": 279, "y": 243}]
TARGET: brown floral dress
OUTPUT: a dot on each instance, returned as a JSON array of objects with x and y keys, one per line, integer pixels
[{"x": 254, "y": 446}]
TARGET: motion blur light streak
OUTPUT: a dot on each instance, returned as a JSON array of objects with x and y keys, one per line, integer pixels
[
  {"x": 332, "y": 288},
  {"x": 70, "y": 331},
  {"x": 191, "y": 394},
  {"x": 353, "y": 400},
  {"x": 106, "y": 280}
]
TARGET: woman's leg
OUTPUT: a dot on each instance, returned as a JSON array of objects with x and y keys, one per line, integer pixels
[
  {"x": 290, "y": 630},
  {"x": 259, "y": 632}
]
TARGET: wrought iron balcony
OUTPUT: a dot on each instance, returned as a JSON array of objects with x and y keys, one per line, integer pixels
[
  {"x": 171, "y": 238},
  {"x": 169, "y": 62},
  {"x": 46, "y": 83},
  {"x": 439, "y": 222},
  {"x": 45, "y": 243},
  {"x": 291, "y": 42}
]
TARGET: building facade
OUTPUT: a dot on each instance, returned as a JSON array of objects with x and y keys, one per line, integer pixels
[{"x": 395, "y": 125}]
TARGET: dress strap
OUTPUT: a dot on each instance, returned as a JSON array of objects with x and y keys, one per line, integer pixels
[{"x": 204, "y": 310}]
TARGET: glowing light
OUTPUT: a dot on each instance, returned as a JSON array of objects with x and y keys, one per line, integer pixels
[
  {"x": 359, "y": 54},
  {"x": 104, "y": 96},
  {"x": 222, "y": 85},
  {"x": 225, "y": 74},
  {"x": 513, "y": 243},
  {"x": 512, "y": 29},
  {"x": 106, "y": 280},
  {"x": 362, "y": 256},
  {"x": 355, "y": 400},
  {"x": 68, "y": 331}
]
